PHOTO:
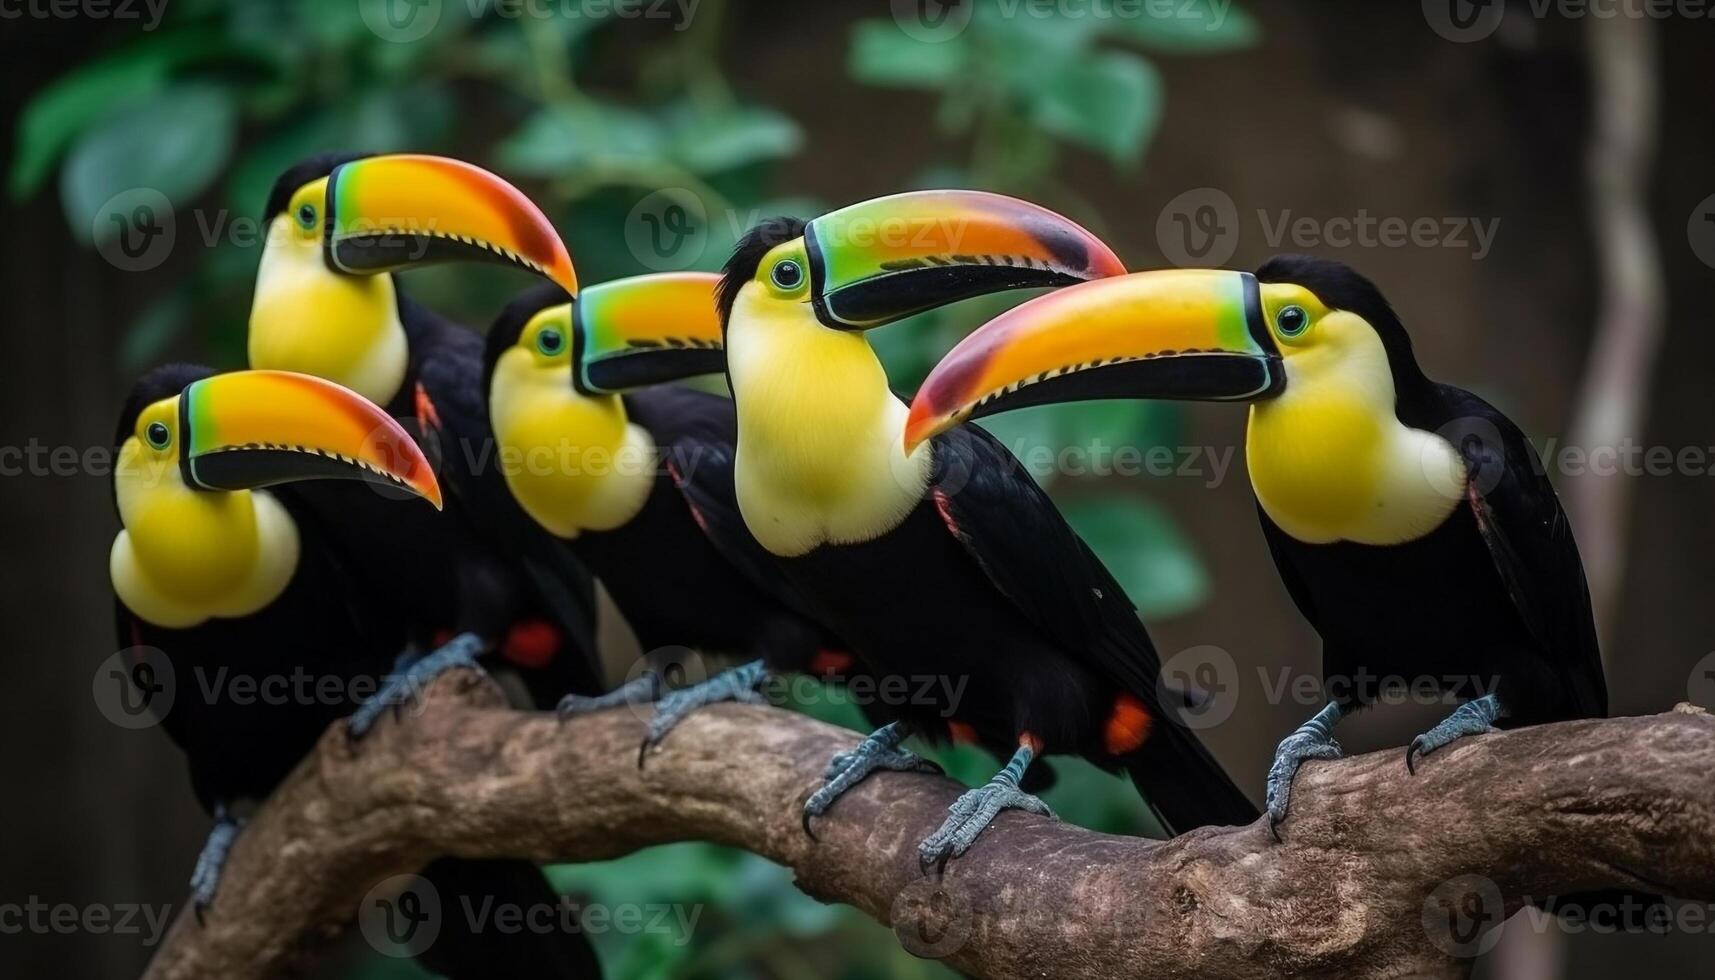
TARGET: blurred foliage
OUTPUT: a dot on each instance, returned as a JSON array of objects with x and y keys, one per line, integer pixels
[{"x": 210, "y": 107}]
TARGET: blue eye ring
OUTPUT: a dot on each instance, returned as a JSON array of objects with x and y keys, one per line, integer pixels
[
  {"x": 551, "y": 341},
  {"x": 1291, "y": 321},
  {"x": 307, "y": 216},
  {"x": 787, "y": 274},
  {"x": 158, "y": 435}
]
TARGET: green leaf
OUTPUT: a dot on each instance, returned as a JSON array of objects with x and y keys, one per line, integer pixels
[
  {"x": 882, "y": 54},
  {"x": 711, "y": 142},
  {"x": 66, "y": 107},
  {"x": 1189, "y": 26},
  {"x": 1111, "y": 103},
  {"x": 175, "y": 143},
  {"x": 553, "y": 142},
  {"x": 1143, "y": 549},
  {"x": 60, "y": 111}
]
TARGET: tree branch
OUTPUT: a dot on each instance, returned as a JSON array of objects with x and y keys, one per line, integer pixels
[{"x": 1371, "y": 859}]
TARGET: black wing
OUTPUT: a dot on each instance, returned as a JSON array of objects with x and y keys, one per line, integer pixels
[
  {"x": 1530, "y": 540},
  {"x": 448, "y": 368},
  {"x": 698, "y": 432},
  {"x": 1025, "y": 547}
]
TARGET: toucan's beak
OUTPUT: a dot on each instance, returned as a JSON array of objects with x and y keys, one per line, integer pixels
[
  {"x": 250, "y": 429},
  {"x": 883, "y": 260},
  {"x": 646, "y": 330},
  {"x": 394, "y": 212},
  {"x": 1195, "y": 334}
]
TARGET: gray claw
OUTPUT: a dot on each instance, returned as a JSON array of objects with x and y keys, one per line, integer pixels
[
  {"x": 460, "y": 651},
  {"x": 1471, "y": 718},
  {"x": 1297, "y": 748},
  {"x": 638, "y": 690},
  {"x": 879, "y": 751},
  {"x": 738, "y": 684},
  {"x": 205, "y": 878},
  {"x": 969, "y": 816}
]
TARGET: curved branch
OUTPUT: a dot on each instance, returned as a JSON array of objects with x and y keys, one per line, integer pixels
[{"x": 1371, "y": 860}]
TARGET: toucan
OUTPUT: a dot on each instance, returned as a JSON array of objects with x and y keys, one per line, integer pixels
[
  {"x": 1412, "y": 523},
  {"x": 607, "y": 460},
  {"x": 326, "y": 303},
  {"x": 948, "y": 562},
  {"x": 231, "y": 590}
]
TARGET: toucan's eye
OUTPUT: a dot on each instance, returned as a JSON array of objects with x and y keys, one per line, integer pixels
[
  {"x": 158, "y": 435},
  {"x": 307, "y": 216},
  {"x": 788, "y": 274},
  {"x": 1291, "y": 321},
  {"x": 550, "y": 342}
]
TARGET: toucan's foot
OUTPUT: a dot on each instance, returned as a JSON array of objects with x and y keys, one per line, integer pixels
[
  {"x": 460, "y": 651},
  {"x": 205, "y": 878},
  {"x": 879, "y": 751},
  {"x": 1313, "y": 740},
  {"x": 741, "y": 683},
  {"x": 639, "y": 690},
  {"x": 1471, "y": 718},
  {"x": 969, "y": 816}
]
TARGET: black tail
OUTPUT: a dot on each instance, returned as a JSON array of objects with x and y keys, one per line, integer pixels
[
  {"x": 1184, "y": 784},
  {"x": 470, "y": 946}
]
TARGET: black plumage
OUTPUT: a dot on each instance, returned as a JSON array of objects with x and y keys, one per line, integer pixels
[
  {"x": 482, "y": 566},
  {"x": 1493, "y": 600},
  {"x": 254, "y": 694},
  {"x": 985, "y": 588},
  {"x": 669, "y": 580}
]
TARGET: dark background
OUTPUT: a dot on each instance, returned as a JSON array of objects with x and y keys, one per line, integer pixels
[{"x": 1318, "y": 107}]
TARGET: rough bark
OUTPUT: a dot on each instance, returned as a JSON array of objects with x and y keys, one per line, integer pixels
[{"x": 1359, "y": 887}]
